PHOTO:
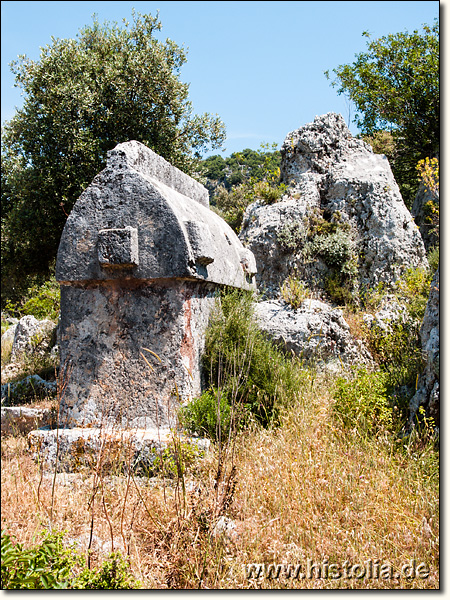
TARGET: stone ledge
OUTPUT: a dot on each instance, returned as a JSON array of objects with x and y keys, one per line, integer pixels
[{"x": 71, "y": 450}]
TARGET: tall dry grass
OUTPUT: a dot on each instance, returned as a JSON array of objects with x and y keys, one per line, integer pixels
[{"x": 306, "y": 490}]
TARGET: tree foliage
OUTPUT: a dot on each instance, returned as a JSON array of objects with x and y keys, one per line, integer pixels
[
  {"x": 395, "y": 87},
  {"x": 241, "y": 167},
  {"x": 85, "y": 95},
  {"x": 243, "y": 178}
]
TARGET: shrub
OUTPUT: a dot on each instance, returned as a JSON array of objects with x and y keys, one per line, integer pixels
[
  {"x": 339, "y": 290},
  {"x": 398, "y": 350},
  {"x": 252, "y": 374},
  {"x": 44, "y": 302},
  {"x": 173, "y": 461},
  {"x": 268, "y": 192},
  {"x": 231, "y": 205},
  {"x": 113, "y": 574},
  {"x": 201, "y": 415},
  {"x": 362, "y": 402},
  {"x": 45, "y": 566},
  {"x": 291, "y": 236},
  {"x": 41, "y": 301},
  {"x": 334, "y": 248},
  {"x": 49, "y": 565},
  {"x": 433, "y": 258},
  {"x": 413, "y": 289}
]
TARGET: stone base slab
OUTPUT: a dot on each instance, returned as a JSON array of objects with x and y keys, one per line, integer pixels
[{"x": 112, "y": 451}]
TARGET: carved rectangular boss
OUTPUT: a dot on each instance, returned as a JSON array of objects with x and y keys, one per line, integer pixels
[{"x": 118, "y": 248}]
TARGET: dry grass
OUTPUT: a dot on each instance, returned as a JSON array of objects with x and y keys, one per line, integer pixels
[
  {"x": 308, "y": 490},
  {"x": 6, "y": 349}
]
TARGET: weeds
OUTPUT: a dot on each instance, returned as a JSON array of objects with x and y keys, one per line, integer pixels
[
  {"x": 42, "y": 301},
  {"x": 252, "y": 375},
  {"x": 294, "y": 291},
  {"x": 362, "y": 402},
  {"x": 201, "y": 415},
  {"x": 310, "y": 488},
  {"x": 331, "y": 481}
]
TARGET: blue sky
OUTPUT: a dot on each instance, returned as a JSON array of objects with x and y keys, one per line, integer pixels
[{"x": 259, "y": 65}]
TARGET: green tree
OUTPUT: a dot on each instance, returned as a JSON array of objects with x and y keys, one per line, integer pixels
[
  {"x": 241, "y": 167},
  {"x": 243, "y": 178},
  {"x": 395, "y": 87},
  {"x": 110, "y": 84}
]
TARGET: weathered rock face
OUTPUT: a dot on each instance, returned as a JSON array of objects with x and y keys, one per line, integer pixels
[
  {"x": 422, "y": 215},
  {"x": 427, "y": 394},
  {"x": 31, "y": 336},
  {"x": 140, "y": 259},
  {"x": 390, "y": 312},
  {"x": 343, "y": 213},
  {"x": 315, "y": 332}
]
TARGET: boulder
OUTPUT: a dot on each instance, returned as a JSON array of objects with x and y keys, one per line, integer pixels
[
  {"x": 315, "y": 332},
  {"x": 391, "y": 312},
  {"x": 341, "y": 219},
  {"x": 7, "y": 344},
  {"x": 8, "y": 336},
  {"x": 32, "y": 336},
  {"x": 427, "y": 394}
]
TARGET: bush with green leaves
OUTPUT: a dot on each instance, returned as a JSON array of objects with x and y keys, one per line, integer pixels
[
  {"x": 336, "y": 249},
  {"x": 268, "y": 192},
  {"x": 253, "y": 375},
  {"x": 363, "y": 402},
  {"x": 340, "y": 288},
  {"x": 45, "y": 566},
  {"x": 42, "y": 301},
  {"x": 398, "y": 350},
  {"x": 209, "y": 414},
  {"x": 231, "y": 204},
  {"x": 291, "y": 236},
  {"x": 173, "y": 461},
  {"x": 49, "y": 565},
  {"x": 113, "y": 574},
  {"x": 433, "y": 258}
]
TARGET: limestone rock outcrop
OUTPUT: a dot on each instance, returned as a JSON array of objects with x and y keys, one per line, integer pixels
[
  {"x": 423, "y": 217},
  {"x": 427, "y": 394},
  {"x": 32, "y": 336},
  {"x": 316, "y": 332},
  {"x": 342, "y": 218}
]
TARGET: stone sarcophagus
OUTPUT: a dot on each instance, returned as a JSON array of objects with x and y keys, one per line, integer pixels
[{"x": 139, "y": 263}]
